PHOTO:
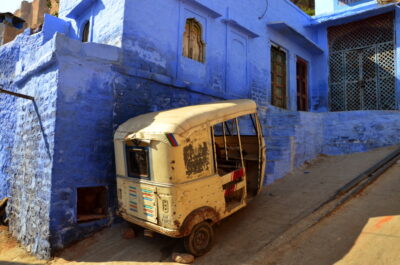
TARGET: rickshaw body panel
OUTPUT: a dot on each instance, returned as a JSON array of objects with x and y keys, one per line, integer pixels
[{"x": 183, "y": 187}]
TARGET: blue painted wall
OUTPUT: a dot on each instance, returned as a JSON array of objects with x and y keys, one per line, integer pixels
[
  {"x": 229, "y": 28},
  {"x": 360, "y": 131},
  {"x": 28, "y": 142},
  {"x": 83, "y": 154},
  {"x": 331, "y": 6},
  {"x": 105, "y": 17},
  {"x": 296, "y": 137},
  {"x": 133, "y": 65},
  {"x": 9, "y": 54}
]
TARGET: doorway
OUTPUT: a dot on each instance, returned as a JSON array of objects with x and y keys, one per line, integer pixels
[
  {"x": 362, "y": 65},
  {"x": 302, "y": 84},
  {"x": 278, "y": 77}
]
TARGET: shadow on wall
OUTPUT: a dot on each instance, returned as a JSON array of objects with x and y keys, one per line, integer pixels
[
  {"x": 17, "y": 263},
  {"x": 84, "y": 14},
  {"x": 260, "y": 224},
  {"x": 46, "y": 142}
]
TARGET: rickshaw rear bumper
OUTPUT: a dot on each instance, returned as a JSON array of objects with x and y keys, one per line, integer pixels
[{"x": 154, "y": 227}]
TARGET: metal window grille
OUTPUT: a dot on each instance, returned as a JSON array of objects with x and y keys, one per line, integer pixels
[{"x": 362, "y": 65}]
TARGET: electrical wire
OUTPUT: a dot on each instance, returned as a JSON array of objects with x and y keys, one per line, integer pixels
[{"x": 266, "y": 10}]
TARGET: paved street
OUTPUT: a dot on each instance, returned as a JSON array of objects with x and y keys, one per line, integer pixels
[
  {"x": 365, "y": 231},
  {"x": 368, "y": 221}
]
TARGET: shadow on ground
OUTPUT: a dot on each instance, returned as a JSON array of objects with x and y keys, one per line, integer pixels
[
  {"x": 239, "y": 238},
  {"x": 364, "y": 231}
]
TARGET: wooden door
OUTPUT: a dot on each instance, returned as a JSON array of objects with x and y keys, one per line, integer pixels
[
  {"x": 302, "y": 85},
  {"x": 278, "y": 77}
]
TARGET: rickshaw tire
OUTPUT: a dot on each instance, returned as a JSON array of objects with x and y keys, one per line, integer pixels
[{"x": 200, "y": 232}]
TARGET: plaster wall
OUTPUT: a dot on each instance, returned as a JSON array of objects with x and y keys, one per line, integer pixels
[
  {"x": 292, "y": 138},
  {"x": 360, "y": 131},
  {"x": 83, "y": 91},
  {"x": 320, "y": 71},
  {"x": 41, "y": 180},
  {"x": 84, "y": 132},
  {"x": 331, "y": 6},
  {"x": 67, "y": 6},
  {"x": 2, "y": 26},
  {"x": 296, "y": 137},
  {"x": 10, "y": 54},
  {"x": 29, "y": 144},
  {"x": 105, "y": 18},
  {"x": 9, "y": 33},
  {"x": 25, "y": 11},
  {"x": 27, "y": 136},
  {"x": 39, "y": 7},
  {"x": 238, "y": 43},
  {"x": 31, "y": 164}
]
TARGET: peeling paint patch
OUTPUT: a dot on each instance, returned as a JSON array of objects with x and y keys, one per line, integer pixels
[
  {"x": 148, "y": 54},
  {"x": 196, "y": 158}
]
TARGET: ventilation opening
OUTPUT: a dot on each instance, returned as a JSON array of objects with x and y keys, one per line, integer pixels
[
  {"x": 85, "y": 32},
  {"x": 91, "y": 204}
]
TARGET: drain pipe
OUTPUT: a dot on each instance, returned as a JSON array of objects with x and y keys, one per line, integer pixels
[
  {"x": 266, "y": 10},
  {"x": 2, "y": 90}
]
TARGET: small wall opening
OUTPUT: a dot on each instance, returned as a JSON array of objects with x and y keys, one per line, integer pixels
[
  {"x": 91, "y": 204},
  {"x": 193, "y": 44},
  {"x": 85, "y": 32}
]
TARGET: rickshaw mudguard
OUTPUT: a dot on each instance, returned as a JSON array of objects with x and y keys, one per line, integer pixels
[{"x": 197, "y": 216}]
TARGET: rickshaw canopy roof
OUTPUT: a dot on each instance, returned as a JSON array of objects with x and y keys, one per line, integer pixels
[{"x": 180, "y": 121}]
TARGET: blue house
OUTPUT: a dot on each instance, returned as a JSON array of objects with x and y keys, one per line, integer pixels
[{"x": 326, "y": 84}]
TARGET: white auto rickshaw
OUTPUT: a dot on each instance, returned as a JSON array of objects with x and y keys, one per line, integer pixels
[{"x": 182, "y": 170}]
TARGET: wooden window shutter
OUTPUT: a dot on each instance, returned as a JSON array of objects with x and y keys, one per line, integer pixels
[
  {"x": 193, "y": 44},
  {"x": 278, "y": 77}
]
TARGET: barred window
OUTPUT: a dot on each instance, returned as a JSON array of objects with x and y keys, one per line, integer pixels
[
  {"x": 193, "y": 44},
  {"x": 362, "y": 65}
]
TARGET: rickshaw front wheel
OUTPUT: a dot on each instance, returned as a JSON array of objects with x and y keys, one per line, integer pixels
[{"x": 200, "y": 239}]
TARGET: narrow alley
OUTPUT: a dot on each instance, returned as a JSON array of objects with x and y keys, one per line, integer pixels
[{"x": 360, "y": 230}]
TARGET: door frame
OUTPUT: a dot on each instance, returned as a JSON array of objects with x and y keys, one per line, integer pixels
[
  {"x": 306, "y": 77},
  {"x": 285, "y": 90}
]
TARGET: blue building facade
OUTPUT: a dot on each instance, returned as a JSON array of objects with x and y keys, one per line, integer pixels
[{"x": 138, "y": 57}]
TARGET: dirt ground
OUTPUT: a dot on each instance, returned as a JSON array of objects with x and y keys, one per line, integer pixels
[{"x": 244, "y": 237}]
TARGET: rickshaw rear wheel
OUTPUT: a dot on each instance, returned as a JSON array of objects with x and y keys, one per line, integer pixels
[{"x": 200, "y": 240}]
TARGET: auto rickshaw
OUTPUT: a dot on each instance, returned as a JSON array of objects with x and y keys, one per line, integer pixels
[{"x": 182, "y": 170}]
